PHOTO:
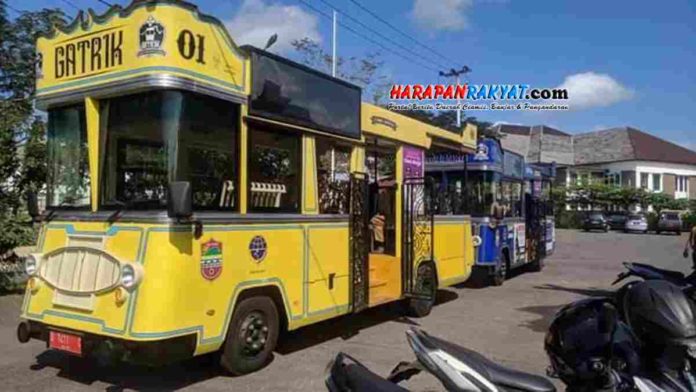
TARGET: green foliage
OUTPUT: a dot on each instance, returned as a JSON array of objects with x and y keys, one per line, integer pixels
[{"x": 22, "y": 130}]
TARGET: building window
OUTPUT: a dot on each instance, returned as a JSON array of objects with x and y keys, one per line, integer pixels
[
  {"x": 644, "y": 180},
  {"x": 657, "y": 182},
  {"x": 612, "y": 179},
  {"x": 275, "y": 171},
  {"x": 333, "y": 167},
  {"x": 681, "y": 184}
]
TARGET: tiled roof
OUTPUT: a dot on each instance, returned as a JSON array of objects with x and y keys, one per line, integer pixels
[{"x": 545, "y": 144}]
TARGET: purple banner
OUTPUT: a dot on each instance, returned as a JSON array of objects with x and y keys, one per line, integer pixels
[{"x": 413, "y": 162}]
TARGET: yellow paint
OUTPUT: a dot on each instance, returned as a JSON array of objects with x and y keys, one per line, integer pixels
[
  {"x": 221, "y": 64},
  {"x": 92, "y": 116},
  {"x": 310, "y": 191},
  {"x": 307, "y": 262},
  {"x": 382, "y": 123},
  {"x": 453, "y": 250},
  {"x": 243, "y": 157},
  {"x": 385, "y": 278}
]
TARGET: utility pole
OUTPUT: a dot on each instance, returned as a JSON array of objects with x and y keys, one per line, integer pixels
[
  {"x": 455, "y": 73},
  {"x": 333, "y": 45}
]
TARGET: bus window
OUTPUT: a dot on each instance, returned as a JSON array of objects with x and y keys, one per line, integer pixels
[
  {"x": 208, "y": 152},
  {"x": 153, "y": 138},
  {"x": 512, "y": 198},
  {"x": 333, "y": 166},
  {"x": 483, "y": 190},
  {"x": 274, "y": 169},
  {"x": 68, "y": 169}
]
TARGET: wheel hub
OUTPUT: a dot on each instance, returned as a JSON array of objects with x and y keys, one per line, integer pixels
[{"x": 254, "y": 334}]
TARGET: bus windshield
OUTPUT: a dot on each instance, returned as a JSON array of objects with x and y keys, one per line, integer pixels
[
  {"x": 153, "y": 138},
  {"x": 68, "y": 169},
  {"x": 483, "y": 189}
]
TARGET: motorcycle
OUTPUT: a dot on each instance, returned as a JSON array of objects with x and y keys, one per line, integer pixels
[
  {"x": 649, "y": 272},
  {"x": 457, "y": 369},
  {"x": 642, "y": 340}
]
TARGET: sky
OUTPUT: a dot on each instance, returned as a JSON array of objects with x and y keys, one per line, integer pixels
[{"x": 624, "y": 62}]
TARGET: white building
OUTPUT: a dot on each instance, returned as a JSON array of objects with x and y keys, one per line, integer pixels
[{"x": 625, "y": 156}]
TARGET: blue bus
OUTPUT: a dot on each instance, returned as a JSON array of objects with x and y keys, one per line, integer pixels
[{"x": 496, "y": 188}]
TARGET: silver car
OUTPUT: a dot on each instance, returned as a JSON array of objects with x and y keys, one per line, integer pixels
[{"x": 636, "y": 222}]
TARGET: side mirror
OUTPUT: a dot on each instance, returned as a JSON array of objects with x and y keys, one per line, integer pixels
[
  {"x": 33, "y": 205},
  {"x": 179, "y": 204}
]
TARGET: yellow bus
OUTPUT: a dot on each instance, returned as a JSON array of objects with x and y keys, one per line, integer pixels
[{"x": 203, "y": 197}]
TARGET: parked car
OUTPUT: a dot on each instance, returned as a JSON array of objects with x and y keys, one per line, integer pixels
[
  {"x": 636, "y": 222},
  {"x": 617, "y": 221},
  {"x": 669, "y": 221},
  {"x": 595, "y": 221}
]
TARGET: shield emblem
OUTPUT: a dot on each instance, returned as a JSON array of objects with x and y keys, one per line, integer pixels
[{"x": 211, "y": 259}]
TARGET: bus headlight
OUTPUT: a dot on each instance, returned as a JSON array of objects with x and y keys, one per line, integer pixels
[
  {"x": 477, "y": 240},
  {"x": 31, "y": 264},
  {"x": 130, "y": 276}
]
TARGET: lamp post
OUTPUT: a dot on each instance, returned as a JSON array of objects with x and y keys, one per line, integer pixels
[{"x": 455, "y": 73}]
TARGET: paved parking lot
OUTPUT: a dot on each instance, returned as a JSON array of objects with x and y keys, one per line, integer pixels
[{"x": 505, "y": 323}]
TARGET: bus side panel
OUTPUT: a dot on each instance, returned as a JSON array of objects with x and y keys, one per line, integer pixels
[
  {"x": 488, "y": 253},
  {"x": 176, "y": 298},
  {"x": 328, "y": 271},
  {"x": 453, "y": 250}
]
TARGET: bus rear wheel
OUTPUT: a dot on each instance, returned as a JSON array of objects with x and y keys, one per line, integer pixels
[
  {"x": 426, "y": 284},
  {"x": 251, "y": 337}
]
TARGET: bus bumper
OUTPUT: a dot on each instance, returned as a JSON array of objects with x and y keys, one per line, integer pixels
[{"x": 158, "y": 352}]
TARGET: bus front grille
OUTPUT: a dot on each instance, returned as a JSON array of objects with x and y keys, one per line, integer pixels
[{"x": 80, "y": 270}]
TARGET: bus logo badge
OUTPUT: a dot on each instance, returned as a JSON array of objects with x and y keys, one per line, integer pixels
[
  {"x": 211, "y": 259},
  {"x": 481, "y": 152},
  {"x": 151, "y": 38},
  {"x": 258, "y": 248}
]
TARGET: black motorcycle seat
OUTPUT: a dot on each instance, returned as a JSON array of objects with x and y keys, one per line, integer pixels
[
  {"x": 347, "y": 374},
  {"x": 670, "y": 274},
  {"x": 361, "y": 379},
  {"x": 496, "y": 373}
]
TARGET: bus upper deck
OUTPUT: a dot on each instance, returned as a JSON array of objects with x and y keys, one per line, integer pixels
[{"x": 203, "y": 196}]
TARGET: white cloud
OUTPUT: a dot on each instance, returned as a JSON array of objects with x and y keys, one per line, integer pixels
[
  {"x": 258, "y": 20},
  {"x": 441, "y": 14},
  {"x": 590, "y": 90}
]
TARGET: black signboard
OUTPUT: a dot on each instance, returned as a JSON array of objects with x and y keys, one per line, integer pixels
[{"x": 286, "y": 91}]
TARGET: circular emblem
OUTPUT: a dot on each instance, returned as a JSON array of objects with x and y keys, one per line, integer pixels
[{"x": 258, "y": 248}]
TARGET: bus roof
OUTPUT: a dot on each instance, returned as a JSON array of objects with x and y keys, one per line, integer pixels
[
  {"x": 383, "y": 123},
  {"x": 148, "y": 44}
]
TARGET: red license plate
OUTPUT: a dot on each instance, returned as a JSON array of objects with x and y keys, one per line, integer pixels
[{"x": 65, "y": 342}]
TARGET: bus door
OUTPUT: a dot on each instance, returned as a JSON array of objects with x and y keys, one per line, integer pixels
[
  {"x": 359, "y": 241},
  {"x": 417, "y": 233},
  {"x": 534, "y": 222}
]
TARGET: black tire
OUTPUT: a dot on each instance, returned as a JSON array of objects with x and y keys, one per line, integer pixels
[
  {"x": 678, "y": 232},
  {"x": 657, "y": 232},
  {"x": 241, "y": 356},
  {"x": 500, "y": 274},
  {"x": 426, "y": 283}
]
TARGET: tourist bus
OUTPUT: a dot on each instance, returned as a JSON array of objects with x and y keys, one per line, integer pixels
[
  {"x": 493, "y": 183},
  {"x": 203, "y": 197}
]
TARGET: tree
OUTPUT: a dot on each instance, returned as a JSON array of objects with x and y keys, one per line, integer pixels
[
  {"x": 22, "y": 130},
  {"x": 364, "y": 72}
]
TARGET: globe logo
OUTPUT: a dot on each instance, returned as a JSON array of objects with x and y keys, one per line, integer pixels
[{"x": 258, "y": 248}]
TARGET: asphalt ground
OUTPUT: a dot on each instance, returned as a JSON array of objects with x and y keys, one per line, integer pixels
[{"x": 506, "y": 324}]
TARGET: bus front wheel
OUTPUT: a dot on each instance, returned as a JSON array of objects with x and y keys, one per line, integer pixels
[{"x": 251, "y": 337}]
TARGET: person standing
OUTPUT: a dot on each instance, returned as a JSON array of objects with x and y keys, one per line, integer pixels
[{"x": 691, "y": 242}]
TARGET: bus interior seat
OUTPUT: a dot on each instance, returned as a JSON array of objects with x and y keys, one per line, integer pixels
[{"x": 265, "y": 194}]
